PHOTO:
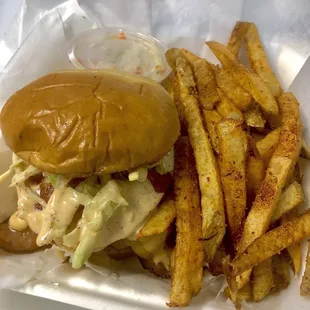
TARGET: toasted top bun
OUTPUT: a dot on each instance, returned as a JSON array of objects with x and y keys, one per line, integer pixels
[{"x": 90, "y": 121}]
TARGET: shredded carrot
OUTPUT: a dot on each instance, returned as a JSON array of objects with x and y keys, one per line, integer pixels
[{"x": 122, "y": 36}]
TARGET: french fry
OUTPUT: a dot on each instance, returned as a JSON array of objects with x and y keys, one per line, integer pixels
[
  {"x": 305, "y": 283},
  {"x": 294, "y": 251},
  {"x": 187, "y": 267},
  {"x": 213, "y": 217},
  {"x": 207, "y": 90},
  {"x": 205, "y": 79},
  {"x": 262, "y": 280},
  {"x": 282, "y": 161},
  {"x": 255, "y": 174},
  {"x": 281, "y": 274},
  {"x": 160, "y": 220},
  {"x": 237, "y": 37},
  {"x": 267, "y": 145},
  {"x": 272, "y": 243},
  {"x": 176, "y": 97},
  {"x": 253, "y": 117},
  {"x": 211, "y": 119},
  {"x": 233, "y": 152},
  {"x": 226, "y": 108},
  {"x": 259, "y": 61},
  {"x": 289, "y": 199},
  {"x": 247, "y": 79},
  {"x": 231, "y": 89},
  {"x": 172, "y": 54},
  {"x": 204, "y": 76}
]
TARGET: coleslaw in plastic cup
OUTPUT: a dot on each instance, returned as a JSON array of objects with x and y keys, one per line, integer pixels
[{"x": 114, "y": 48}]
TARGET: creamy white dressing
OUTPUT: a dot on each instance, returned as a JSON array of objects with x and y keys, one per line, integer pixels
[
  {"x": 57, "y": 216},
  {"x": 118, "y": 211},
  {"x": 26, "y": 215}
]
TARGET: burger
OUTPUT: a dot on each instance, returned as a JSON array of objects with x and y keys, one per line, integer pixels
[{"x": 92, "y": 157}]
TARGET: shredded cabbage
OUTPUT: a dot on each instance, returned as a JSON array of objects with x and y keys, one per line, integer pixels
[
  {"x": 89, "y": 187},
  {"x": 57, "y": 180},
  {"x": 95, "y": 216}
]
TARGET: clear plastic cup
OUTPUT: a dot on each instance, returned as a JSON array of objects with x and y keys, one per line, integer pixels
[{"x": 113, "y": 48}]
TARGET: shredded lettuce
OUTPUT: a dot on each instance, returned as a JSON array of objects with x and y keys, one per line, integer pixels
[
  {"x": 59, "y": 213},
  {"x": 22, "y": 176},
  {"x": 89, "y": 187},
  {"x": 95, "y": 216},
  {"x": 166, "y": 164},
  {"x": 57, "y": 180}
]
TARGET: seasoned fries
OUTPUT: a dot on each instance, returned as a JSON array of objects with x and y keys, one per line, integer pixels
[
  {"x": 305, "y": 284},
  {"x": 205, "y": 79},
  {"x": 253, "y": 117},
  {"x": 262, "y": 280},
  {"x": 226, "y": 108},
  {"x": 281, "y": 274},
  {"x": 294, "y": 251},
  {"x": 231, "y": 89},
  {"x": 272, "y": 243},
  {"x": 213, "y": 218},
  {"x": 211, "y": 119},
  {"x": 160, "y": 220},
  {"x": 282, "y": 161},
  {"x": 186, "y": 274},
  {"x": 246, "y": 78},
  {"x": 245, "y": 136},
  {"x": 267, "y": 145},
  {"x": 259, "y": 61},
  {"x": 290, "y": 198},
  {"x": 233, "y": 146},
  {"x": 237, "y": 37}
]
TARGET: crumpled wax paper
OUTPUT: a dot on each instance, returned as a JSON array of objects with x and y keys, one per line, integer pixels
[{"x": 37, "y": 43}]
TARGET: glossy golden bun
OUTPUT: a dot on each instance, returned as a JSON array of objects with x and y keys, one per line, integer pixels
[{"x": 90, "y": 121}]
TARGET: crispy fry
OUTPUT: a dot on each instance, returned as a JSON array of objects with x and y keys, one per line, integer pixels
[
  {"x": 204, "y": 75},
  {"x": 282, "y": 161},
  {"x": 237, "y": 37},
  {"x": 213, "y": 218},
  {"x": 233, "y": 151},
  {"x": 191, "y": 57},
  {"x": 262, "y": 280},
  {"x": 207, "y": 90},
  {"x": 267, "y": 145},
  {"x": 272, "y": 243},
  {"x": 211, "y": 119},
  {"x": 172, "y": 54},
  {"x": 231, "y": 89},
  {"x": 255, "y": 174},
  {"x": 281, "y": 274},
  {"x": 294, "y": 251},
  {"x": 246, "y": 78},
  {"x": 186, "y": 276},
  {"x": 205, "y": 79},
  {"x": 160, "y": 220},
  {"x": 226, "y": 108},
  {"x": 253, "y": 117},
  {"x": 176, "y": 97},
  {"x": 290, "y": 198},
  {"x": 305, "y": 284},
  {"x": 259, "y": 61}
]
